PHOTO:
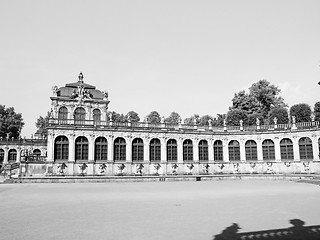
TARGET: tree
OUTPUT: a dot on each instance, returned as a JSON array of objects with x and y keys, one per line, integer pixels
[
  {"x": 42, "y": 125},
  {"x": 204, "y": 120},
  {"x": 252, "y": 119},
  {"x": 174, "y": 118},
  {"x": 234, "y": 116},
  {"x": 218, "y": 120},
  {"x": 117, "y": 117},
  {"x": 245, "y": 102},
  {"x": 316, "y": 111},
  {"x": 262, "y": 97},
  {"x": 132, "y": 116},
  {"x": 11, "y": 123},
  {"x": 280, "y": 113},
  {"x": 301, "y": 111},
  {"x": 153, "y": 117},
  {"x": 195, "y": 119}
]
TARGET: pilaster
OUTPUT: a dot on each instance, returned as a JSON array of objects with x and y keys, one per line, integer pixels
[{"x": 225, "y": 150}]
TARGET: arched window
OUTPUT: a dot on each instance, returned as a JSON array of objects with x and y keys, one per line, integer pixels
[
  {"x": 81, "y": 148},
  {"x": 12, "y": 155},
  {"x": 251, "y": 150},
  {"x": 172, "y": 154},
  {"x": 61, "y": 148},
  {"x": 155, "y": 149},
  {"x": 101, "y": 149},
  {"x": 234, "y": 150},
  {"x": 203, "y": 150},
  {"x": 305, "y": 148},
  {"x": 119, "y": 152},
  {"x": 268, "y": 150},
  {"x": 96, "y": 116},
  {"x": 218, "y": 150},
  {"x": 63, "y": 115},
  {"x": 137, "y": 149},
  {"x": 79, "y": 116},
  {"x": 36, "y": 152},
  {"x": 1, "y": 156},
  {"x": 187, "y": 150},
  {"x": 286, "y": 149}
]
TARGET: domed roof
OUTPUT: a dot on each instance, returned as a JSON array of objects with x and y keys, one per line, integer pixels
[{"x": 80, "y": 90}]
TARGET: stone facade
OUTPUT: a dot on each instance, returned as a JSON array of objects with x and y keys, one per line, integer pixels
[{"x": 83, "y": 141}]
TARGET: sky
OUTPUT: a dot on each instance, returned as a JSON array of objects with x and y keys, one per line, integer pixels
[{"x": 187, "y": 56}]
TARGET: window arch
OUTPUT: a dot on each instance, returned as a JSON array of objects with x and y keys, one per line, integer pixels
[
  {"x": 203, "y": 150},
  {"x": 61, "y": 148},
  {"x": 100, "y": 149},
  {"x": 172, "y": 154},
  {"x": 1, "y": 157},
  {"x": 137, "y": 149},
  {"x": 305, "y": 148},
  {"x": 96, "y": 116},
  {"x": 12, "y": 155},
  {"x": 251, "y": 150},
  {"x": 286, "y": 149},
  {"x": 119, "y": 152},
  {"x": 79, "y": 116},
  {"x": 234, "y": 150},
  {"x": 62, "y": 115},
  {"x": 268, "y": 151},
  {"x": 81, "y": 148},
  {"x": 218, "y": 150},
  {"x": 155, "y": 149},
  {"x": 36, "y": 152},
  {"x": 187, "y": 150}
]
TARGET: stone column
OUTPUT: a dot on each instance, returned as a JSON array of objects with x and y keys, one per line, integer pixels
[
  {"x": 259, "y": 149},
  {"x": 91, "y": 148},
  {"x": 195, "y": 150},
  {"x": 163, "y": 141},
  {"x": 315, "y": 147},
  {"x": 180, "y": 150},
  {"x": 210, "y": 150},
  {"x": 18, "y": 154},
  {"x": 6, "y": 155},
  {"x": 50, "y": 152},
  {"x": 225, "y": 150},
  {"x": 110, "y": 148},
  {"x": 146, "y": 150},
  {"x": 71, "y": 148},
  {"x": 71, "y": 159},
  {"x": 277, "y": 151},
  {"x": 242, "y": 150},
  {"x": 296, "y": 153},
  {"x": 129, "y": 149}
]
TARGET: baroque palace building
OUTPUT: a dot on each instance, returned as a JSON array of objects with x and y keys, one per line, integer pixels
[{"x": 82, "y": 140}]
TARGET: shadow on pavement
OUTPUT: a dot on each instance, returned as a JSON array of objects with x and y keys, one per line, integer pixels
[{"x": 297, "y": 232}]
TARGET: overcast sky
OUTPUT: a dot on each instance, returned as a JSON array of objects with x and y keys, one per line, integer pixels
[{"x": 166, "y": 55}]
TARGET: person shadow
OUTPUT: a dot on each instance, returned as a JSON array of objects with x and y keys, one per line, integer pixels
[{"x": 298, "y": 231}]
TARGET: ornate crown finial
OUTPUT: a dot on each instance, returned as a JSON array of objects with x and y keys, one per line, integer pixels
[{"x": 80, "y": 77}]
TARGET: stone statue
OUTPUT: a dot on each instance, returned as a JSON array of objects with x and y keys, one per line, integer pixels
[
  {"x": 54, "y": 90},
  {"x": 313, "y": 117},
  {"x": 210, "y": 122},
  {"x": 105, "y": 95},
  {"x": 257, "y": 121},
  {"x": 275, "y": 120},
  {"x": 241, "y": 122},
  {"x": 224, "y": 122},
  {"x": 293, "y": 120}
]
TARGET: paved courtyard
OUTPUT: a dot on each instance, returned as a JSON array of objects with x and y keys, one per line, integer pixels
[{"x": 153, "y": 210}]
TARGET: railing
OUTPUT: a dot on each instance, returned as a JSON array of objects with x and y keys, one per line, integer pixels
[
  {"x": 296, "y": 232},
  {"x": 185, "y": 127}
]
